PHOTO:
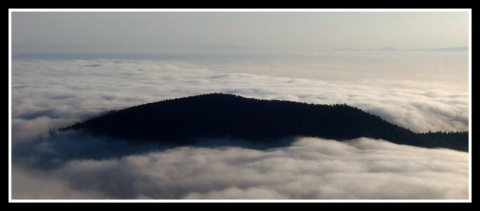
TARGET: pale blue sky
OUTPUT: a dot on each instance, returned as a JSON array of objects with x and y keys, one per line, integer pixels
[{"x": 283, "y": 31}]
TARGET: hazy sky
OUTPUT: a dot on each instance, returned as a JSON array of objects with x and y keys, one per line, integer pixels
[{"x": 93, "y": 31}]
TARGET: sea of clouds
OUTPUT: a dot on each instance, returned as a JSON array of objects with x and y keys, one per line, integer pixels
[
  {"x": 53, "y": 93},
  {"x": 310, "y": 168}
]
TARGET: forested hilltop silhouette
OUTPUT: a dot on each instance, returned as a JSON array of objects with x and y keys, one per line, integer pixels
[{"x": 182, "y": 121}]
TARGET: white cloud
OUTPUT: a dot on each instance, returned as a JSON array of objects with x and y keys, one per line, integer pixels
[
  {"x": 236, "y": 193},
  {"x": 309, "y": 169},
  {"x": 35, "y": 184},
  {"x": 72, "y": 90},
  {"x": 56, "y": 93}
]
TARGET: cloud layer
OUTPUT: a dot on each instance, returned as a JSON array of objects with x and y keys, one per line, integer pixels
[
  {"x": 309, "y": 169},
  {"x": 55, "y": 93}
]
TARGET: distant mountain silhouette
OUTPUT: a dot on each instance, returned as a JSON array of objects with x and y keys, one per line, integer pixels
[
  {"x": 388, "y": 49},
  {"x": 183, "y": 121}
]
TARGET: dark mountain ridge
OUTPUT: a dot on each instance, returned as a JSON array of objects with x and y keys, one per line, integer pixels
[{"x": 183, "y": 121}]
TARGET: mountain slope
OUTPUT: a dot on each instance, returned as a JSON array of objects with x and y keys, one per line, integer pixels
[{"x": 182, "y": 121}]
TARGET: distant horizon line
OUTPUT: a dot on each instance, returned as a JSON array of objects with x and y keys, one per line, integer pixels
[{"x": 208, "y": 48}]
